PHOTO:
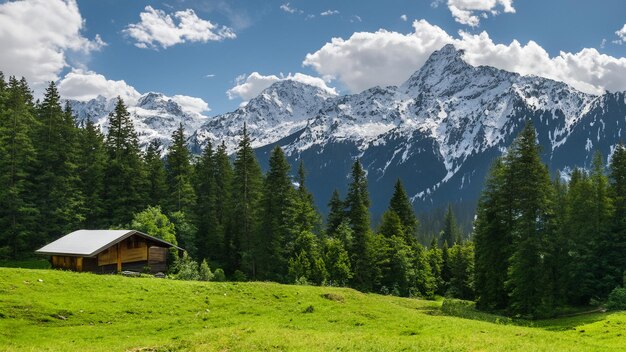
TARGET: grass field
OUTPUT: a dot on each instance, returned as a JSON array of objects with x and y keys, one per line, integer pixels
[{"x": 47, "y": 310}]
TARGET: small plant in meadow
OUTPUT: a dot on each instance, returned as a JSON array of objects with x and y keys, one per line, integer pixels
[
  {"x": 186, "y": 268},
  {"x": 239, "y": 276},
  {"x": 205, "y": 272},
  {"x": 218, "y": 275},
  {"x": 617, "y": 299}
]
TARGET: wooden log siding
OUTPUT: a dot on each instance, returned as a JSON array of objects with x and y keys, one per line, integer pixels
[{"x": 131, "y": 250}]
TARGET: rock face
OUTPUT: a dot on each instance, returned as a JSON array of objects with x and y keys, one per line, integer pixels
[{"x": 438, "y": 132}]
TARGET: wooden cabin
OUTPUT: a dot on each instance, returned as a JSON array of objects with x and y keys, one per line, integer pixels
[{"x": 108, "y": 251}]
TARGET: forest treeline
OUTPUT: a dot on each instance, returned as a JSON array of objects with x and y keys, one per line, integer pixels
[
  {"x": 538, "y": 243},
  {"x": 58, "y": 177}
]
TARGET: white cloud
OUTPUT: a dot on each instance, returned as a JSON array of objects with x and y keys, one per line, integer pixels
[
  {"x": 86, "y": 85},
  {"x": 355, "y": 18},
  {"x": 210, "y": 75},
  {"x": 469, "y": 11},
  {"x": 287, "y": 8},
  {"x": 621, "y": 34},
  {"x": 37, "y": 36},
  {"x": 389, "y": 58},
  {"x": 249, "y": 87},
  {"x": 404, "y": 18},
  {"x": 329, "y": 13},
  {"x": 158, "y": 28},
  {"x": 380, "y": 58},
  {"x": 193, "y": 104}
]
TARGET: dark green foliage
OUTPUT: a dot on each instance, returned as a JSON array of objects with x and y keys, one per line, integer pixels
[
  {"x": 223, "y": 204},
  {"x": 401, "y": 205},
  {"x": 124, "y": 191},
  {"x": 617, "y": 299},
  {"x": 336, "y": 213},
  {"x": 18, "y": 213},
  {"x": 210, "y": 238},
  {"x": 185, "y": 232},
  {"x": 247, "y": 189},
  {"x": 451, "y": 232},
  {"x": 337, "y": 261},
  {"x": 357, "y": 203},
  {"x": 181, "y": 195},
  {"x": 306, "y": 263},
  {"x": 615, "y": 255},
  {"x": 155, "y": 170},
  {"x": 91, "y": 170},
  {"x": 461, "y": 262},
  {"x": 56, "y": 182}
]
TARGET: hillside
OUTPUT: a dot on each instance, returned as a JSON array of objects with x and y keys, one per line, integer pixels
[{"x": 62, "y": 311}]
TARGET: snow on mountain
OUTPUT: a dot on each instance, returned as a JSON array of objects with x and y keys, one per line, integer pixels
[
  {"x": 155, "y": 116},
  {"x": 439, "y": 131}
]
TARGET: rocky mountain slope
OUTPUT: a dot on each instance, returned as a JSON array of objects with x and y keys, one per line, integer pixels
[{"x": 439, "y": 131}]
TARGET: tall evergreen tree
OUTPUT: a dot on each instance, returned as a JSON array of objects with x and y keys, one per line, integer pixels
[
  {"x": 179, "y": 174},
  {"x": 18, "y": 214},
  {"x": 57, "y": 182},
  {"x": 156, "y": 177},
  {"x": 401, "y": 205},
  {"x": 492, "y": 239},
  {"x": 209, "y": 239},
  {"x": 278, "y": 196},
  {"x": 336, "y": 213},
  {"x": 92, "y": 165},
  {"x": 451, "y": 232},
  {"x": 357, "y": 210},
  {"x": 223, "y": 204},
  {"x": 125, "y": 186},
  {"x": 616, "y": 256},
  {"x": 527, "y": 284},
  {"x": 246, "y": 197}
]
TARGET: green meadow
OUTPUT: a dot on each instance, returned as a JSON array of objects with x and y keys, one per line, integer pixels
[{"x": 49, "y": 310}]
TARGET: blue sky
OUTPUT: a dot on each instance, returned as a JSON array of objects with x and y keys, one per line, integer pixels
[{"x": 274, "y": 37}]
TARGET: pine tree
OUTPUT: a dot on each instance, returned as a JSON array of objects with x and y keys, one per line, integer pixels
[
  {"x": 435, "y": 261},
  {"x": 529, "y": 290},
  {"x": 337, "y": 261},
  {"x": 274, "y": 235},
  {"x": 401, "y": 205},
  {"x": 57, "y": 182},
  {"x": 125, "y": 186},
  {"x": 492, "y": 239},
  {"x": 617, "y": 254},
  {"x": 246, "y": 197},
  {"x": 209, "y": 240},
  {"x": 18, "y": 214},
  {"x": 223, "y": 204},
  {"x": 357, "y": 210},
  {"x": 462, "y": 271},
  {"x": 608, "y": 272},
  {"x": 155, "y": 171},
  {"x": 179, "y": 174},
  {"x": 304, "y": 215},
  {"x": 336, "y": 213},
  {"x": 558, "y": 260},
  {"x": 91, "y": 168},
  {"x": 451, "y": 232}
]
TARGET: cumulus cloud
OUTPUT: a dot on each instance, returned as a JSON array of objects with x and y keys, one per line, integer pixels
[
  {"x": 388, "y": 58},
  {"x": 86, "y": 85},
  {"x": 36, "y": 37},
  {"x": 469, "y": 12},
  {"x": 248, "y": 87},
  {"x": 289, "y": 9},
  {"x": 158, "y": 28},
  {"x": 621, "y": 34},
  {"x": 404, "y": 18},
  {"x": 192, "y": 104},
  {"x": 329, "y": 13}
]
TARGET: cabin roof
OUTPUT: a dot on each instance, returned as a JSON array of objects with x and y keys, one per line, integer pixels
[{"x": 87, "y": 243}]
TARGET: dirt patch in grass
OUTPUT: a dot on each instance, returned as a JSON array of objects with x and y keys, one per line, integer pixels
[{"x": 333, "y": 297}]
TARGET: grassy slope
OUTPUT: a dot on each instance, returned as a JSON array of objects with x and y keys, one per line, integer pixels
[{"x": 69, "y": 311}]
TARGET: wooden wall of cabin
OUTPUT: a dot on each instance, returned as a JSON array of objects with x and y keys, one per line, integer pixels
[
  {"x": 132, "y": 249},
  {"x": 67, "y": 262}
]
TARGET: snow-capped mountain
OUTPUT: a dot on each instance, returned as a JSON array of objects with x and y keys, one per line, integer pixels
[
  {"x": 154, "y": 115},
  {"x": 439, "y": 131}
]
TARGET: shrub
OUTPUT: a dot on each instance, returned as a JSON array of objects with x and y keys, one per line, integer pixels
[
  {"x": 205, "y": 272},
  {"x": 239, "y": 276},
  {"x": 617, "y": 299},
  {"x": 186, "y": 268},
  {"x": 218, "y": 275}
]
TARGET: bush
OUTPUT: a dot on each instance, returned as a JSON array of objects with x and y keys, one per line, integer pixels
[
  {"x": 205, "y": 272},
  {"x": 218, "y": 275},
  {"x": 186, "y": 268},
  {"x": 239, "y": 276},
  {"x": 617, "y": 299}
]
